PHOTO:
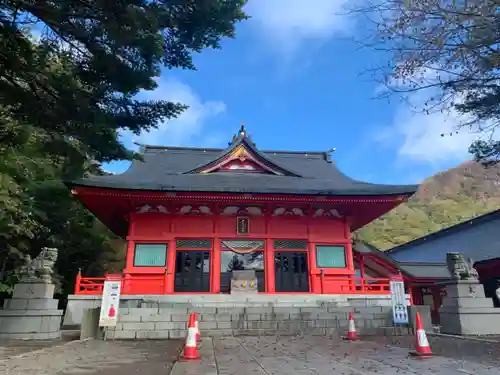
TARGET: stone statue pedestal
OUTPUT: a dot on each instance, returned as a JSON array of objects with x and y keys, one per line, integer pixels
[
  {"x": 466, "y": 311},
  {"x": 31, "y": 313},
  {"x": 244, "y": 282}
]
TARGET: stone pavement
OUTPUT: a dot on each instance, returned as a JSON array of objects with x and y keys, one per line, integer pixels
[{"x": 266, "y": 355}]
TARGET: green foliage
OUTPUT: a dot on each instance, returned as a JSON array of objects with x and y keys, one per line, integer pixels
[
  {"x": 487, "y": 152},
  {"x": 444, "y": 200},
  {"x": 79, "y": 82},
  {"x": 37, "y": 210}
]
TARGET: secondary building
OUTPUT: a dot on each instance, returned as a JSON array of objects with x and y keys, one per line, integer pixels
[{"x": 478, "y": 239}]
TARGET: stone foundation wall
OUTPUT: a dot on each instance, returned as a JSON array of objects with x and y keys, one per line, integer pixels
[
  {"x": 170, "y": 322},
  {"x": 78, "y": 303}
]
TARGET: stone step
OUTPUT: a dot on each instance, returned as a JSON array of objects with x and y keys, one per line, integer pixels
[{"x": 258, "y": 328}]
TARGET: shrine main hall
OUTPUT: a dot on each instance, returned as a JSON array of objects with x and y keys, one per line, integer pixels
[{"x": 193, "y": 216}]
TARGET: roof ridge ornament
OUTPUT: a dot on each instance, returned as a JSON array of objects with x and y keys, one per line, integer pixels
[
  {"x": 328, "y": 154},
  {"x": 242, "y": 134}
]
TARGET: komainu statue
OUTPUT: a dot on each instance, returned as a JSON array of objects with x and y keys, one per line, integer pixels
[
  {"x": 460, "y": 268},
  {"x": 40, "y": 268}
]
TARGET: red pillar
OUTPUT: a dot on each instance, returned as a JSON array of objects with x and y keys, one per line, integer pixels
[
  {"x": 269, "y": 266},
  {"x": 129, "y": 258},
  {"x": 129, "y": 262},
  {"x": 349, "y": 258},
  {"x": 215, "y": 267},
  {"x": 311, "y": 260},
  {"x": 78, "y": 280},
  {"x": 170, "y": 266}
]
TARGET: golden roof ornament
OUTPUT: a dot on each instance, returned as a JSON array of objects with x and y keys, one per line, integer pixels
[{"x": 243, "y": 132}]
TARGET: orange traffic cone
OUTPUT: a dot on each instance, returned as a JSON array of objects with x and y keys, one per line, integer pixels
[
  {"x": 197, "y": 328},
  {"x": 422, "y": 347},
  {"x": 190, "y": 349},
  {"x": 351, "y": 330}
]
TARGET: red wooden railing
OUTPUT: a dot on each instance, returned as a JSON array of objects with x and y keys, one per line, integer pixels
[
  {"x": 156, "y": 284},
  {"x": 357, "y": 285},
  {"x": 88, "y": 285}
]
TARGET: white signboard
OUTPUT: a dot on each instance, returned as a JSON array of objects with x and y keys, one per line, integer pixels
[
  {"x": 109, "y": 304},
  {"x": 399, "y": 302}
]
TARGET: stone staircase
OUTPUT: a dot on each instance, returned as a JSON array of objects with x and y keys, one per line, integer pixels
[{"x": 266, "y": 315}]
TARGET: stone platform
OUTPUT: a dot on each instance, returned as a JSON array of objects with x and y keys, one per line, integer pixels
[
  {"x": 169, "y": 322},
  {"x": 78, "y": 303},
  {"x": 466, "y": 310},
  {"x": 31, "y": 313},
  {"x": 165, "y": 317}
]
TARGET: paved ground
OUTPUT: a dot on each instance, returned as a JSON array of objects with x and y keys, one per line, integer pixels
[
  {"x": 19, "y": 347},
  {"x": 486, "y": 353},
  {"x": 248, "y": 356}
]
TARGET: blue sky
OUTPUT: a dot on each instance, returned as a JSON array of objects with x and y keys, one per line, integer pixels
[{"x": 294, "y": 76}]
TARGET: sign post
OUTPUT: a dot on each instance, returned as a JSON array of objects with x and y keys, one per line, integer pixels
[
  {"x": 398, "y": 301},
  {"x": 110, "y": 301}
]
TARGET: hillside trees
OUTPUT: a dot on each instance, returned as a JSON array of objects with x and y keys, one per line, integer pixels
[
  {"x": 446, "y": 199},
  {"x": 450, "y": 48}
]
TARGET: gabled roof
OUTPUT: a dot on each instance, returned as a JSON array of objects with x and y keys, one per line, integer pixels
[
  {"x": 178, "y": 169},
  {"x": 425, "y": 270},
  {"x": 415, "y": 270},
  {"x": 242, "y": 147},
  {"x": 447, "y": 231}
]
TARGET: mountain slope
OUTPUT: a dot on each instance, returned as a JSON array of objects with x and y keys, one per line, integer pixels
[{"x": 443, "y": 200}]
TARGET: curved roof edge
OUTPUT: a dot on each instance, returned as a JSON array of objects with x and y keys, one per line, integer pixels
[{"x": 245, "y": 141}]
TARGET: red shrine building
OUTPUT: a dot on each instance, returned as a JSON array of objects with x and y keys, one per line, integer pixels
[{"x": 193, "y": 215}]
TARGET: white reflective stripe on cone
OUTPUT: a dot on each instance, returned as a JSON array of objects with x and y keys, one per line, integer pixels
[
  {"x": 422, "y": 338},
  {"x": 352, "y": 327},
  {"x": 191, "y": 337}
]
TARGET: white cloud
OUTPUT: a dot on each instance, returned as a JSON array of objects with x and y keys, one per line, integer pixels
[
  {"x": 437, "y": 137},
  {"x": 432, "y": 138},
  {"x": 287, "y": 23},
  {"x": 189, "y": 124}
]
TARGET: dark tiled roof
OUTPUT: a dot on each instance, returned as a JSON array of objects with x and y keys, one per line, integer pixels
[
  {"x": 306, "y": 173},
  {"x": 447, "y": 231},
  {"x": 416, "y": 270},
  {"x": 424, "y": 270}
]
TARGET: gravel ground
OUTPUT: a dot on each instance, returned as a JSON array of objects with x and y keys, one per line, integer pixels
[{"x": 485, "y": 353}]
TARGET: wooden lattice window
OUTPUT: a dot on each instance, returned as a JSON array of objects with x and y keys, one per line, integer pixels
[
  {"x": 242, "y": 245},
  {"x": 194, "y": 244},
  {"x": 290, "y": 244}
]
